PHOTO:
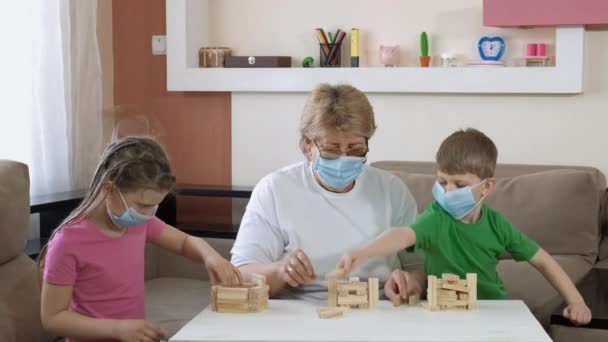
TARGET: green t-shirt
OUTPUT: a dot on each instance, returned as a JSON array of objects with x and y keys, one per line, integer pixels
[{"x": 452, "y": 246}]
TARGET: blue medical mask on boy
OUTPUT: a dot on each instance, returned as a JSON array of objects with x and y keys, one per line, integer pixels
[
  {"x": 131, "y": 217},
  {"x": 339, "y": 173},
  {"x": 458, "y": 203}
]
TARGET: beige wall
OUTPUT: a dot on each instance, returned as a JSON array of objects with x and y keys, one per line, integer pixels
[{"x": 104, "y": 36}]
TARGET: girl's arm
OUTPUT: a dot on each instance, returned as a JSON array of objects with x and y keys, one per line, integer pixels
[
  {"x": 388, "y": 243},
  {"x": 198, "y": 250},
  {"x": 576, "y": 309},
  {"x": 59, "y": 321}
]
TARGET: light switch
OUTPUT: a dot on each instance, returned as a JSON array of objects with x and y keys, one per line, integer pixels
[{"x": 159, "y": 45}]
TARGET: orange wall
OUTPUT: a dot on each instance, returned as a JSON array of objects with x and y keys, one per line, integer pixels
[{"x": 195, "y": 126}]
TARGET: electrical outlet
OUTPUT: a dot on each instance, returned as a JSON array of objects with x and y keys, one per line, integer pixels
[{"x": 159, "y": 45}]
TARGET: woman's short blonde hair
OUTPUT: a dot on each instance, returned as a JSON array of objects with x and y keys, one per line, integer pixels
[{"x": 339, "y": 109}]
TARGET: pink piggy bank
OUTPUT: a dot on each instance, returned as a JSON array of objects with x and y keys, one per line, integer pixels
[{"x": 389, "y": 55}]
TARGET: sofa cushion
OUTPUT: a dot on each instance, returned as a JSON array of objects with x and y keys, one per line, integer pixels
[
  {"x": 522, "y": 281},
  {"x": 173, "y": 302},
  {"x": 15, "y": 208},
  {"x": 558, "y": 209}
]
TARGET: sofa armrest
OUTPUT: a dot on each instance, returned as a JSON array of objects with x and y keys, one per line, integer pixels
[
  {"x": 20, "y": 298},
  {"x": 603, "y": 252},
  {"x": 602, "y": 264}
]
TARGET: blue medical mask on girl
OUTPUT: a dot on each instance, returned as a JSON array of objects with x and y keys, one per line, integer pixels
[
  {"x": 339, "y": 173},
  {"x": 131, "y": 217},
  {"x": 458, "y": 203}
]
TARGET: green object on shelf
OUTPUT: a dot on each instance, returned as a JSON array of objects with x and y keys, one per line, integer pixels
[
  {"x": 308, "y": 62},
  {"x": 424, "y": 44}
]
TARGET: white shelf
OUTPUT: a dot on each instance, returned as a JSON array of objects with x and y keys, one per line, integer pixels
[{"x": 182, "y": 53}]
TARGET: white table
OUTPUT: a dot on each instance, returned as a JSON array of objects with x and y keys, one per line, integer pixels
[{"x": 297, "y": 321}]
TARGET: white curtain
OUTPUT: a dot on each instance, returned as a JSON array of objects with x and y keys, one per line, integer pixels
[{"x": 51, "y": 84}]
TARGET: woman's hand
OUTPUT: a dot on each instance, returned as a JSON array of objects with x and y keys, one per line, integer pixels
[
  {"x": 221, "y": 271},
  {"x": 402, "y": 284},
  {"x": 296, "y": 269}
]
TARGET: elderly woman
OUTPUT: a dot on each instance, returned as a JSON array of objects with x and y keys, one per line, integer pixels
[{"x": 301, "y": 218}]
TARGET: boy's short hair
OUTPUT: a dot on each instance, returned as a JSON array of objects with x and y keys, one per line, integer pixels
[{"x": 467, "y": 151}]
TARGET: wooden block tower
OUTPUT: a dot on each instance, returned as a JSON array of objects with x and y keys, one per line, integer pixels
[
  {"x": 249, "y": 297},
  {"x": 351, "y": 293},
  {"x": 450, "y": 292}
]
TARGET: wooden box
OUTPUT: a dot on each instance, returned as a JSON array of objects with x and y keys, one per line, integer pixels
[{"x": 257, "y": 62}]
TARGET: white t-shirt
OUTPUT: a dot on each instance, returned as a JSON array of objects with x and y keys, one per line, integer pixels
[{"x": 289, "y": 210}]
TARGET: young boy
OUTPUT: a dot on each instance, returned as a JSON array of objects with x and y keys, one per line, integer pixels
[{"x": 460, "y": 234}]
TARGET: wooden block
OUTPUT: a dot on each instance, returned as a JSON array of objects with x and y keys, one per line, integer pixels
[
  {"x": 354, "y": 279},
  {"x": 463, "y": 296},
  {"x": 352, "y": 286},
  {"x": 338, "y": 273},
  {"x": 432, "y": 291},
  {"x": 472, "y": 285},
  {"x": 450, "y": 277},
  {"x": 456, "y": 303},
  {"x": 213, "y": 297},
  {"x": 332, "y": 292},
  {"x": 330, "y": 312},
  {"x": 258, "y": 279},
  {"x": 414, "y": 299},
  {"x": 231, "y": 295},
  {"x": 397, "y": 301},
  {"x": 233, "y": 308},
  {"x": 455, "y": 287},
  {"x": 373, "y": 292},
  {"x": 447, "y": 293},
  {"x": 352, "y": 300}
]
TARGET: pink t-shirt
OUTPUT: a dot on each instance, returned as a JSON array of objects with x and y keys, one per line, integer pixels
[{"x": 107, "y": 274}]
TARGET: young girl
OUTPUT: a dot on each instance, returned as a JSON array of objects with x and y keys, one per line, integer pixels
[{"x": 93, "y": 285}]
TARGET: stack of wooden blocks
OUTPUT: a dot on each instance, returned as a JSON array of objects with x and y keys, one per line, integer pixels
[
  {"x": 352, "y": 293},
  {"x": 249, "y": 297},
  {"x": 450, "y": 292}
]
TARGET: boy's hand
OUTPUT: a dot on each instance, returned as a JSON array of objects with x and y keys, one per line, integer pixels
[
  {"x": 221, "y": 271},
  {"x": 350, "y": 261},
  {"x": 577, "y": 313},
  {"x": 402, "y": 284},
  {"x": 138, "y": 330}
]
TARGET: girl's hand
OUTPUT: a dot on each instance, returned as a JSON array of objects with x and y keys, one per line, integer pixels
[
  {"x": 350, "y": 261},
  {"x": 138, "y": 330},
  {"x": 577, "y": 313},
  {"x": 221, "y": 271}
]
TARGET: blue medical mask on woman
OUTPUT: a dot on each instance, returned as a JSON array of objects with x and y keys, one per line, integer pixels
[
  {"x": 339, "y": 173},
  {"x": 458, "y": 203},
  {"x": 131, "y": 217}
]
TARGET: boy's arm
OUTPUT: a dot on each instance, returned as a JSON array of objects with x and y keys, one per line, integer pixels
[
  {"x": 576, "y": 310},
  {"x": 388, "y": 243}
]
